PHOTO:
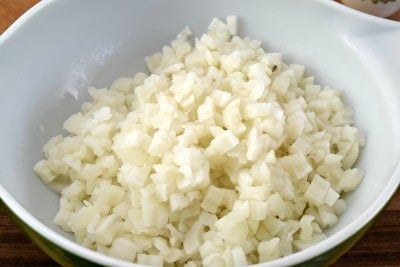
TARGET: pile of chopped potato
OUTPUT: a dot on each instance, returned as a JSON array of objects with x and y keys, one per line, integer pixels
[{"x": 222, "y": 156}]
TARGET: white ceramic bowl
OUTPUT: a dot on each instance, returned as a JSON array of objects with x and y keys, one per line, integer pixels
[{"x": 50, "y": 55}]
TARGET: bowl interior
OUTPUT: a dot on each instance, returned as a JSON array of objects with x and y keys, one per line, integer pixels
[{"x": 48, "y": 62}]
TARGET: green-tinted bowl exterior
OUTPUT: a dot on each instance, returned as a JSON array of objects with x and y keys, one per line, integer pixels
[
  {"x": 66, "y": 258},
  {"x": 61, "y": 256}
]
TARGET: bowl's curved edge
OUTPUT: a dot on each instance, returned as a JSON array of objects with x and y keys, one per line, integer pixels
[
  {"x": 60, "y": 255},
  {"x": 66, "y": 258},
  {"x": 52, "y": 237},
  {"x": 347, "y": 236},
  {"x": 24, "y": 18},
  {"x": 332, "y": 255}
]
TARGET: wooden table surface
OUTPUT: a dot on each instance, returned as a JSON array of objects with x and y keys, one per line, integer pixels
[{"x": 380, "y": 246}]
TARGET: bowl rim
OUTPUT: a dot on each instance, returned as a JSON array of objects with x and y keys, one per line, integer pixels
[{"x": 372, "y": 211}]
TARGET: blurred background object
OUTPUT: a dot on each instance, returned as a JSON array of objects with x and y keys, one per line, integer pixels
[{"x": 381, "y": 8}]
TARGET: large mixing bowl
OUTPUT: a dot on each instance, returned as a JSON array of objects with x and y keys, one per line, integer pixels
[{"x": 58, "y": 48}]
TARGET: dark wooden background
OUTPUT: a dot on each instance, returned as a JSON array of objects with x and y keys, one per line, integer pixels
[{"x": 380, "y": 246}]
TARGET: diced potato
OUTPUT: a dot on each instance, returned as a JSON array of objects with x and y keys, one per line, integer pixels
[
  {"x": 218, "y": 30},
  {"x": 240, "y": 229},
  {"x": 206, "y": 110},
  {"x": 350, "y": 180},
  {"x": 133, "y": 176},
  {"x": 297, "y": 164},
  {"x": 106, "y": 196},
  {"x": 222, "y": 155},
  {"x": 74, "y": 123},
  {"x": 273, "y": 225},
  {"x": 174, "y": 255},
  {"x": 232, "y": 117},
  {"x": 213, "y": 199},
  {"x": 257, "y": 110},
  {"x": 84, "y": 220},
  {"x": 276, "y": 206},
  {"x": 303, "y": 244},
  {"x": 339, "y": 207},
  {"x": 90, "y": 172},
  {"x": 331, "y": 197},
  {"x": 231, "y": 62},
  {"x": 306, "y": 227},
  {"x": 43, "y": 169},
  {"x": 255, "y": 145},
  {"x": 317, "y": 190},
  {"x": 161, "y": 142},
  {"x": 232, "y": 24},
  {"x": 269, "y": 250},
  {"x": 123, "y": 248},
  {"x": 222, "y": 143},
  {"x": 151, "y": 260},
  {"x": 161, "y": 244},
  {"x": 62, "y": 219},
  {"x": 193, "y": 239},
  {"x": 239, "y": 258},
  {"x": 280, "y": 84},
  {"x": 258, "y": 210},
  {"x": 221, "y": 98},
  {"x": 327, "y": 215},
  {"x": 178, "y": 201},
  {"x": 154, "y": 214},
  {"x": 351, "y": 156}
]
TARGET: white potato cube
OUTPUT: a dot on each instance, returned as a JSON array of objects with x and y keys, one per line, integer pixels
[{"x": 269, "y": 250}]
